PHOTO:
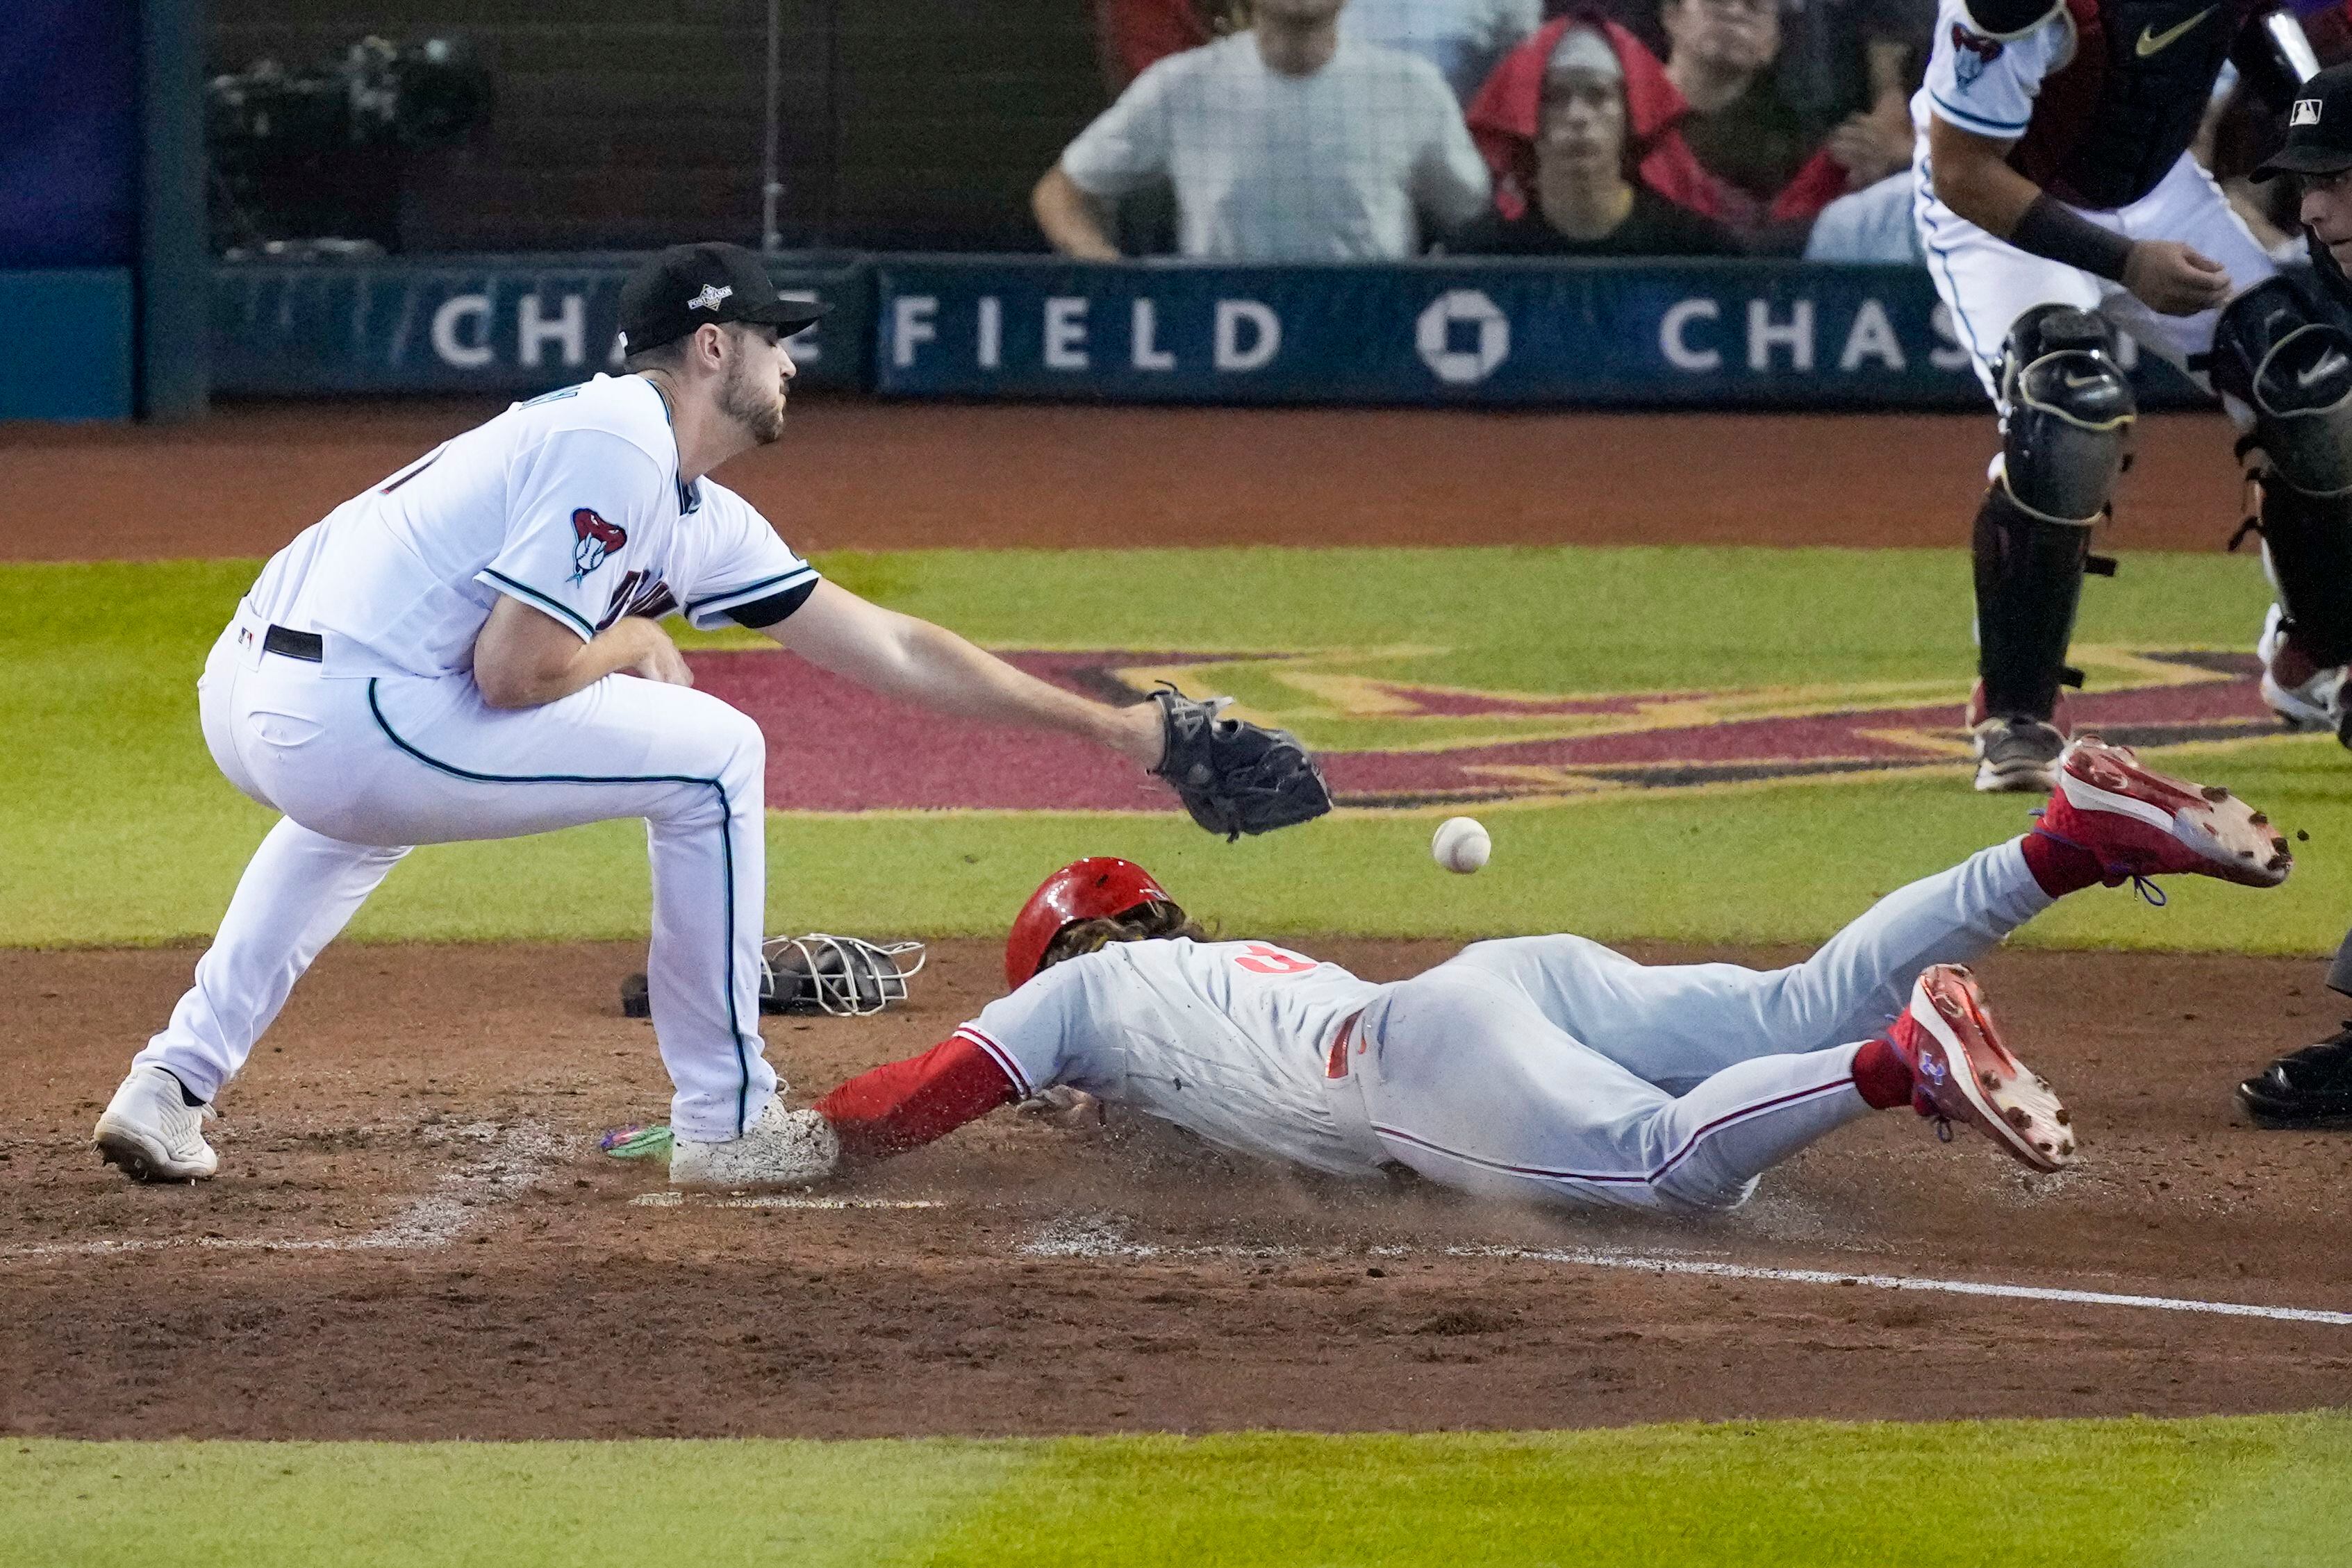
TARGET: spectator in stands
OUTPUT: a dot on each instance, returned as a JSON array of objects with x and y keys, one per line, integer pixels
[
  {"x": 1770, "y": 169},
  {"x": 1464, "y": 39},
  {"x": 1507, "y": 116},
  {"x": 1284, "y": 142},
  {"x": 1851, "y": 66},
  {"x": 1583, "y": 198}
]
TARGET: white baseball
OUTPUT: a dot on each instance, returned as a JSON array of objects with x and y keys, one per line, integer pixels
[{"x": 1461, "y": 844}]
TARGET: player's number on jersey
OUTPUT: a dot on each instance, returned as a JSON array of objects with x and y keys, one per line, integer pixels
[{"x": 1260, "y": 959}]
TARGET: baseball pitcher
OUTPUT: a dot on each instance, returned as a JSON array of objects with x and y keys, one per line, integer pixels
[{"x": 471, "y": 649}]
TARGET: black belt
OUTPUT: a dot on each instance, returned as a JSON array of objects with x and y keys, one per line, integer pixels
[{"x": 306, "y": 646}]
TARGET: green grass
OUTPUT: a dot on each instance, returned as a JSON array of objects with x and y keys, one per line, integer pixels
[
  {"x": 2272, "y": 1490},
  {"x": 119, "y": 830}
]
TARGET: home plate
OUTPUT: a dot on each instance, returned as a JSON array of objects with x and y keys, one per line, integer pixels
[{"x": 776, "y": 1200}]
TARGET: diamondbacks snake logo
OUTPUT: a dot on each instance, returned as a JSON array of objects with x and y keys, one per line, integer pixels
[
  {"x": 593, "y": 540},
  {"x": 1971, "y": 53}
]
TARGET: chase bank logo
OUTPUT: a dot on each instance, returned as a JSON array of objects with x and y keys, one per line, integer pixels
[{"x": 1463, "y": 337}]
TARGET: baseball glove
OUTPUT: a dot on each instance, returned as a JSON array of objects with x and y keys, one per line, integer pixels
[
  {"x": 1235, "y": 778},
  {"x": 817, "y": 974}
]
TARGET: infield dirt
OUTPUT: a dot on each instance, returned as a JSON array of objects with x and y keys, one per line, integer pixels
[
  {"x": 414, "y": 1236},
  {"x": 858, "y": 475}
]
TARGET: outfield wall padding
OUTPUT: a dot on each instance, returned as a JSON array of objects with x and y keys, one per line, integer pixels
[
  {"x": 485, "y": 323},
  {"x": 1481, "y": 333},
  {"x": 67, "y": 355}
]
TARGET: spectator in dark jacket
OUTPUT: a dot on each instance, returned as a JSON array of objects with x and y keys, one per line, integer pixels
[
  {"x": 1768, "y": 159},
  {"x": 1584, "y": 198}
]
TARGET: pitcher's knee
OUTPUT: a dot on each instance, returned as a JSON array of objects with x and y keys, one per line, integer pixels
[{"x": 727, "y": 747}]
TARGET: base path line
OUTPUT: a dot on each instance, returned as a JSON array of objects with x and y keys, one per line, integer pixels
[
  {"x": 776, "y": 1200},
  {"x": 1661, "y": 1263},
  {"x": 1098, "y": 1237}
]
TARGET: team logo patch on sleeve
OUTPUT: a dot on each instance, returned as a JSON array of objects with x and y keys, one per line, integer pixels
[
  {"x": 1972, "y": 52},
  {"x": 593, "y": 540}
]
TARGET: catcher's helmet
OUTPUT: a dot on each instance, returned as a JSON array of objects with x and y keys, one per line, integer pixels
[{"x": 1099, "y": 888}]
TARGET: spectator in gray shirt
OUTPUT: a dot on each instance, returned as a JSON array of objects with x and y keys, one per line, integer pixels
[{"x": 1284, "y": 142}]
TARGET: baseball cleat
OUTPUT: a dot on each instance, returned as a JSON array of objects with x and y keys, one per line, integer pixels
[
  {"x": 2305, "y": 696},
  {"x": 2307, "y": 1088},
  {"x": 2140, "y": 822},
  {"x": 1960, "y": 1072},
  {"x": 782, "y": 1148},
  {"x": 151, "y": 1130},
  {"x": 2016, "y": 754}
]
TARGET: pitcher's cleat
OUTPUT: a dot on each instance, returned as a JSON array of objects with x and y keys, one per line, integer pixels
[
  {"x": 2142, "y": 823},
  {"x": 151, "y": 1133},
  {"x": 781, "y": 1149},
  {"x": 1960, "y": 1072}
]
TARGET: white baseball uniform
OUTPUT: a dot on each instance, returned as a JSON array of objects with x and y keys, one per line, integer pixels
[
  {"x": 1547, "y": 1068},
  {"x": 1986, "y": 282},
  {"x": 341, "y": 694}
]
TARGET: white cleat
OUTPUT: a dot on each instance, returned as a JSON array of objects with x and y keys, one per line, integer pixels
[
  {"x": 151, "y": 1130},
  {"x": 782, "y": 1148},
  {"x": 2305, "y": 696}
]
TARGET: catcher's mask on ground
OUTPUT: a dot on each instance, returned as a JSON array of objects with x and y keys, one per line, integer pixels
[
  {"x": 1102, "y": 887},
  {"x": 844, "y": 976}
]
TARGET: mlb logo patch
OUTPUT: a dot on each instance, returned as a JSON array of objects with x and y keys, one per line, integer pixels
[{"x": 2305, "y": 112}]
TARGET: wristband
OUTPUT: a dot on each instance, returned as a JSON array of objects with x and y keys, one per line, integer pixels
[{"x": 2053, "y": 229}]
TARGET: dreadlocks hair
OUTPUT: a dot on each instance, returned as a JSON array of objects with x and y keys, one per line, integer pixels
[{"x": 1145, "y": 923}]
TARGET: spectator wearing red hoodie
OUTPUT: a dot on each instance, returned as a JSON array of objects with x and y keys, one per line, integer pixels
[
  {"x": 1507, "y": 115},
  {"x": 1581, "y": 200}
]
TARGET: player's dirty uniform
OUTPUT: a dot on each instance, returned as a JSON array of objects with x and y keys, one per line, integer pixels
[
  {"x": 1542, "y": 1068},
  {"x": 1545, "y": 1067},
  {"x": 341, "y": 694},
  {"x": 2099, "y": 101}
]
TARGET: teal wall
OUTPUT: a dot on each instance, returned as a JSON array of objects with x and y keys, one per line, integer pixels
[{"x": 66, "y": 353}]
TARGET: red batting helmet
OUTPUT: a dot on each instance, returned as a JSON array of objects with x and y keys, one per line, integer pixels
[{"x": 1100, "y": 888}]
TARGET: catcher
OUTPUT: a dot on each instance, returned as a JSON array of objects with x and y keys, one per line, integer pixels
[{"x": 1544, "y": 1068}]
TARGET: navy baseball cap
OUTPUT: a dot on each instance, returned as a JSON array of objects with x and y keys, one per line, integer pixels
[
  {"x": 2318, "y": 128},
  {"x": 688, "y": 285}
]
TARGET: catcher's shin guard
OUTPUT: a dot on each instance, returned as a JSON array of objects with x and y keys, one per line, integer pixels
[
  {"x": 2029, "y": 575},
  {"x": 2067, "y": 414},
  {"x": 2285, "y": 355}
]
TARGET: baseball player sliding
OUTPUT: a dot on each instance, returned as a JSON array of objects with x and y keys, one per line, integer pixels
[
  {"x": 472, "y": 650},
  {"x": 2057, "y": 199},
  {"x": 1545, "y": 1068}
]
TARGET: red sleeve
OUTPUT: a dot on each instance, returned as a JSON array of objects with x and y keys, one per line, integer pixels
[
  {"x": 1821, "y": 182},
  {"x": 903, "y": 1105},
  {"x": 1135, "y": 35}
]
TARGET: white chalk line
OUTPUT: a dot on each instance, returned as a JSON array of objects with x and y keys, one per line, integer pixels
[
  {"x": 1666, "y": 1263},
  {"x": 513, "y": 1159},
  {"x": 1106, "y": 1239},
  {"x": 776, "y": 1200}
]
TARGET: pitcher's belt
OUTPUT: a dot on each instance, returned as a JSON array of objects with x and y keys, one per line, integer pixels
[{"x": 306, "y": 646}]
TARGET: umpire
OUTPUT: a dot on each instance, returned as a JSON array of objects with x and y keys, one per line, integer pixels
[{"x": 2313, "y": 1087}]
